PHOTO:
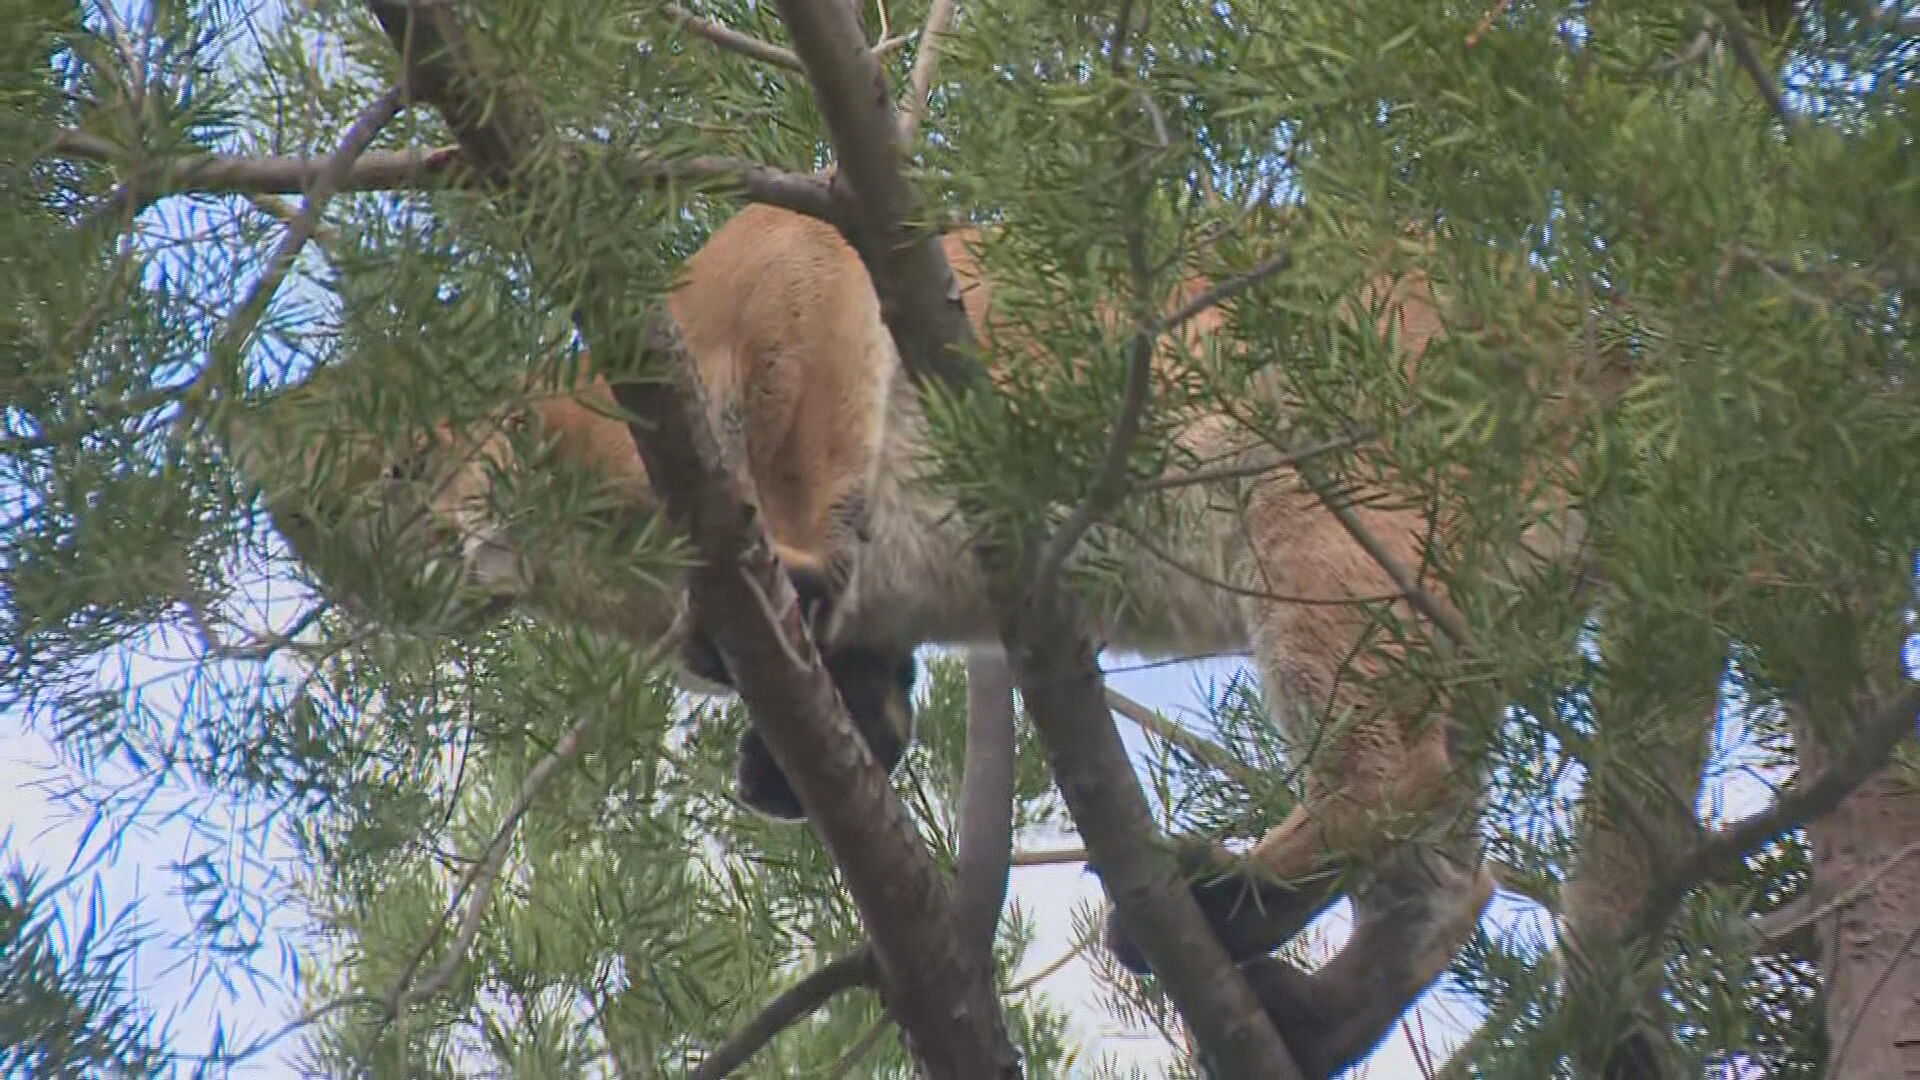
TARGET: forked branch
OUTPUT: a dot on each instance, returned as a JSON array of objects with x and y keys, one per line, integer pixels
[
  {"x": 1719, "y": 852},
  {"x": 1053, "y": 662},
  {"x": 945, "y": 1006}
]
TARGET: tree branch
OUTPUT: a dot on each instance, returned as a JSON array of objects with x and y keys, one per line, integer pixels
[
  {"x": 986, "y": 803},
  {"x": 1720, "y": 851},
  {"x": 1439, "y": 614},
  {"x": 792, "y": 1005},
  {"x": 1058, "y": 857},
  {"x": 1744, "y": 54},
  {"x": 1225, "y": 291},
  {"x": 1059, "y": 677},
  {"x": 919, "y": 297},
  {"x": 1779, "y": 928},
  {"x": 222, "y": 368},
  {"x": 1053, "y": 662},
  {"x": 733, "y": 40},
  {"x": 944, "y": 1003},
  {"x": 926, "y": 62},
  {"x": 986, "y": 842},
  {"x": 1203, "y": 750},
  {"x": 423, "y": 168},
  {"x": 1258, "y": 468}
]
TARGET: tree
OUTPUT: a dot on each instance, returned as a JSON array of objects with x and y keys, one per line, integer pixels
[{"x": 486, "y": 188}]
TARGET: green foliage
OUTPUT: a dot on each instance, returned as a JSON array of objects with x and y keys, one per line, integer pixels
[
  {"x": 64, "y": 1008},
  {"x": 1753, "y": 492}
]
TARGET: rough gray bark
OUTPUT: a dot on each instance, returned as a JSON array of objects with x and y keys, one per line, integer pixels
[{"x": 1869, "y": 940}]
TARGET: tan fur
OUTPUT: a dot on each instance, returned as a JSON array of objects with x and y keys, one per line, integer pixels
[
  {"x": 780, "y": 317},
  {"x": 798, "y": 395}
]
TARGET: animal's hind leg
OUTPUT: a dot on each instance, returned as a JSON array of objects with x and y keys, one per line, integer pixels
[
  {"x": 815, "y": 487},
  {"x": 1372, "y": 746}
]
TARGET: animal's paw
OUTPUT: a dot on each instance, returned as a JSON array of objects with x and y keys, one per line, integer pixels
[
  {"x": 1250, "y": 913},
  {"x": 760, "y": 784},
  {"x": 878, "y": 693},
  {"x": 700, "y": 657},
  {"x": 818, "y": 596}
]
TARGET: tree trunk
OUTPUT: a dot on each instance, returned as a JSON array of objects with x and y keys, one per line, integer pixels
[
  {"x": 1651, "y": 736},
  {"x": 1867, "y": 942}
]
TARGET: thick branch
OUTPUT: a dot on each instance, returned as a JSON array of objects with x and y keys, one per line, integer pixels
[
  {"x": 422, "y": 168},
  {"x": 937, "y": 993},
  {"x": 1044, "y": 630},
  {"x": 919, "y": 297},
  {"x": 986, "y": 803},
  {"x": 944, "y": 1003},
  {"x": 1721, "y": 850},
  {"x": 1060, "y": 680},
  {"x": 793, "y": 1005}
]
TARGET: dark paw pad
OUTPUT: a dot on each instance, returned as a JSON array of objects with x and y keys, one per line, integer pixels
[
  {"x": 1250, "y": 914},
  {"x": 760, "y": 783},
  {"x": 700, "y": 658},
  {"x": 877, "y": 690},
  {"x": 817, "y": 596},
  {"x": 878, "y": 694}
]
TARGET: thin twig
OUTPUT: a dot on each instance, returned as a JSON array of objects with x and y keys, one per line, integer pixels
[
  {"x": 483, "y": 876},
  {"x": 1250, "y": 593},
  {"x": 733, "y": 40},
  {"x": 1879, "y": 983},
  {"x": 305, "y": 1020},
  {"x": 861, "y": 1048},
  {"x": 1050, "y": 858},
  {"x": 1053, "y": 967},
  {"x": 789, "y": 1007},
  {"x": 223, "y": 356},
  {"x": 1200, "y": 748},
  {"x": 280, "y": 210},
  {"x": 262, "y": 647},
  {"x": 1486, "y": 21},
  {"x": 422, "y": 168},
  {"x": 1226, "y": 290},
  {"x": 1441, "y": 616},
  {"x": 1173, "y": 661},
  {"x": 926, "y": 62},
  {"x": 97, "y": 416},
  {"x": 1743, "y": 52},
  {"x": 1259, "y": 468},
  {"x": 1778, "y": 925},
  {"x": 1695, "y": 49},
  {"x": 1110, "y": 477}
]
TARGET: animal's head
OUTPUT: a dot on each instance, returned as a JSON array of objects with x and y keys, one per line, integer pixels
[{"x": 400, "y": 528}]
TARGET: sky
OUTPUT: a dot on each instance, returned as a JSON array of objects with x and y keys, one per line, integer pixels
[{"x": 140, "y": 872}]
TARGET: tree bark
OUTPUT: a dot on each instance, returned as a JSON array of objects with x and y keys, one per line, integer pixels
[
  {"x": 1867, "y": 942},
  {"x": 1652, "y": 729}
]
